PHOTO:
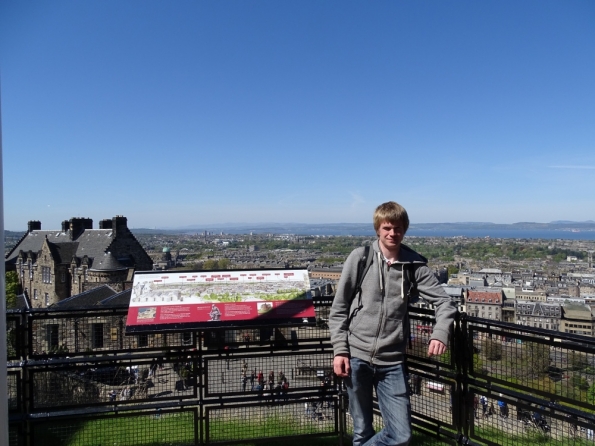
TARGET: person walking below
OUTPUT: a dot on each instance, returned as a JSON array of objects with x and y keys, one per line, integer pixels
[
  {"x": 369, "y": 326},
  {"x": 503, "y": 408},
  {"x": 475, "y": 406},
  {"x": 484, "y": 405}
]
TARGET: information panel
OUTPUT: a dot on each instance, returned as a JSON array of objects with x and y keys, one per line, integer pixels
[{"x": 178, "y": 301}]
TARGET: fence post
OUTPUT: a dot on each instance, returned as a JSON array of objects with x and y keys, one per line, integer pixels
[
  {"x": 341, "y": 411},
  {"x": 465, "y": 400}
]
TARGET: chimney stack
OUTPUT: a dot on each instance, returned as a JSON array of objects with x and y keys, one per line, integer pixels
[
  {"x": 120, "y": 224},
  {"x": 105, "y": 224},
  {"x": 78, "y": 225},
  {"x": 33, "y": 225}
]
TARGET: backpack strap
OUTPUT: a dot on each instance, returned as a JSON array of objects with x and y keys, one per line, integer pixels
[
  {"x": 362, "y": 268},
  {"x": 409, "y": 272},
  {"x": 411, "y": 281}
]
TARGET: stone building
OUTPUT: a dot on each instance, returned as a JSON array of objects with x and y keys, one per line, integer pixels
[
  {"x": 539, "y": 314},
  {"x": 530, "y": 293},
  {"x": 326, "y": 273},
  {"x": 578, "y": 319},
  {"x": 56, "y": 264},
  {"x": 484, "y": 304}
]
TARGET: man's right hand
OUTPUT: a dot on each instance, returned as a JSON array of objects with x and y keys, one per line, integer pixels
[{"x": 341, "y": 366}]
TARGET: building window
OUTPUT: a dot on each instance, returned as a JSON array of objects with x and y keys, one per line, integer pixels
[
  {"x": 186, "y": 338},
  {"x": 63, "y": 276},
  {"x": 143, "y": 340},
  {"x": 52, "y": 336},
  {"x": 97, "y": 335},
  {"x": 35, "y": 293},
  {"x": 47, "y": 299},
  {"x": 46, "y": 274}
]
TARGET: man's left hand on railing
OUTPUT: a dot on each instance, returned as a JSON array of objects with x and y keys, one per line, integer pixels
[{"x": 436, "y": 348}]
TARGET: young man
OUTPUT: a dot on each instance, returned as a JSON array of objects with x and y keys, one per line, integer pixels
[{"x": 370, "y": 329}]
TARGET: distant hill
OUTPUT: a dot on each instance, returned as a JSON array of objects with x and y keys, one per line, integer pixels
[
  {"x": 14, "y": 234},
  {"x": 367, "y": 229}
]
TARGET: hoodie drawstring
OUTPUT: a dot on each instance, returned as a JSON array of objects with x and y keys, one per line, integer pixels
[{"x": 380, "y": 272}]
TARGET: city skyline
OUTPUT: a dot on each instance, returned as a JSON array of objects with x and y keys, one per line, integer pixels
[{"x": 218, "y": 113}]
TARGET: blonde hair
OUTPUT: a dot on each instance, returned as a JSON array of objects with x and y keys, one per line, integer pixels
[{"x": 391, "y": 212}]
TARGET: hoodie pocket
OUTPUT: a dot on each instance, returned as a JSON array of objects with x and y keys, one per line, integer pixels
[
  {"x": 357, "y": 316},
  {"x": 394, "y": 333}
]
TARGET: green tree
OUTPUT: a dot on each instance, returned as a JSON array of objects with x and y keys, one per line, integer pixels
[
  {"x": 210, "y": 264},
  {"x": 538, "y": 357},
  {"x": 492, "y": 349},
  {"x": 591, "y": 394},
  {"x": 452, "y": 269},
  {"x": 223, "y": 263},
  {"x": 579, "y": 382},
  {"x": 577, "y": 360},
  {"x": 12, "y": 288}
]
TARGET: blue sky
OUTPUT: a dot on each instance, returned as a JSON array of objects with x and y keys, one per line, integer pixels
[{"x": 194, "y": 113}]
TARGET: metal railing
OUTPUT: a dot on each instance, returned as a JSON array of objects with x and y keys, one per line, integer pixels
[{"x": 74, "y": 378}]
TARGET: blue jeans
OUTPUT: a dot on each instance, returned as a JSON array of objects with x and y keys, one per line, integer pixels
[{"x": 393, "y": 399}]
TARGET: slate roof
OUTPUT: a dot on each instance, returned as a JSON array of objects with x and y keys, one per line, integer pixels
[
  {"x": 121, "y": 299},
  {"x": 86, "y": 299},
  {"x": 537, "y": 309},
  {"x": 453, "y": 291},
  {"x": 490, "y": 271},
  {"x": 22, "y": 303},
  {"x": 106, "y": 262},
  {"x": 93, "y": 243}
]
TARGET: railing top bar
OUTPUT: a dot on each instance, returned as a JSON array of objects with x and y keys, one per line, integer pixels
[
  {"x": 490, "y": 322},
  {"x": 168, "y": 354},
  {"x": 485, "y": 326},
  {"x": 85, "y": 310},
  {"x": 137, "y": 408},
  {"x": 69, "y": 312}
]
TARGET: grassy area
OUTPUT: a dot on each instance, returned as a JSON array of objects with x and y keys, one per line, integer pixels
[
  {"x": 226, "y": 429},
  {"x": 528, "y": 438},
  {"x": 171, "y": 429},
  {"x": 177, "y": 430}
]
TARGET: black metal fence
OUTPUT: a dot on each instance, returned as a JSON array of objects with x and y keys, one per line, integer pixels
[{"x": 74, "y": 378}]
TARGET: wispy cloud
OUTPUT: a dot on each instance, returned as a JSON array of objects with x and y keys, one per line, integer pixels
[
  {"x": 572, "y": 167},
  {"x": 356, "y": 199},
  {"x": 289, "y": 200}
]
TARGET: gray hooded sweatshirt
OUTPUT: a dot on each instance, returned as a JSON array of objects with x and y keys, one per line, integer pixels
[{"x": 374, "y": 328}]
